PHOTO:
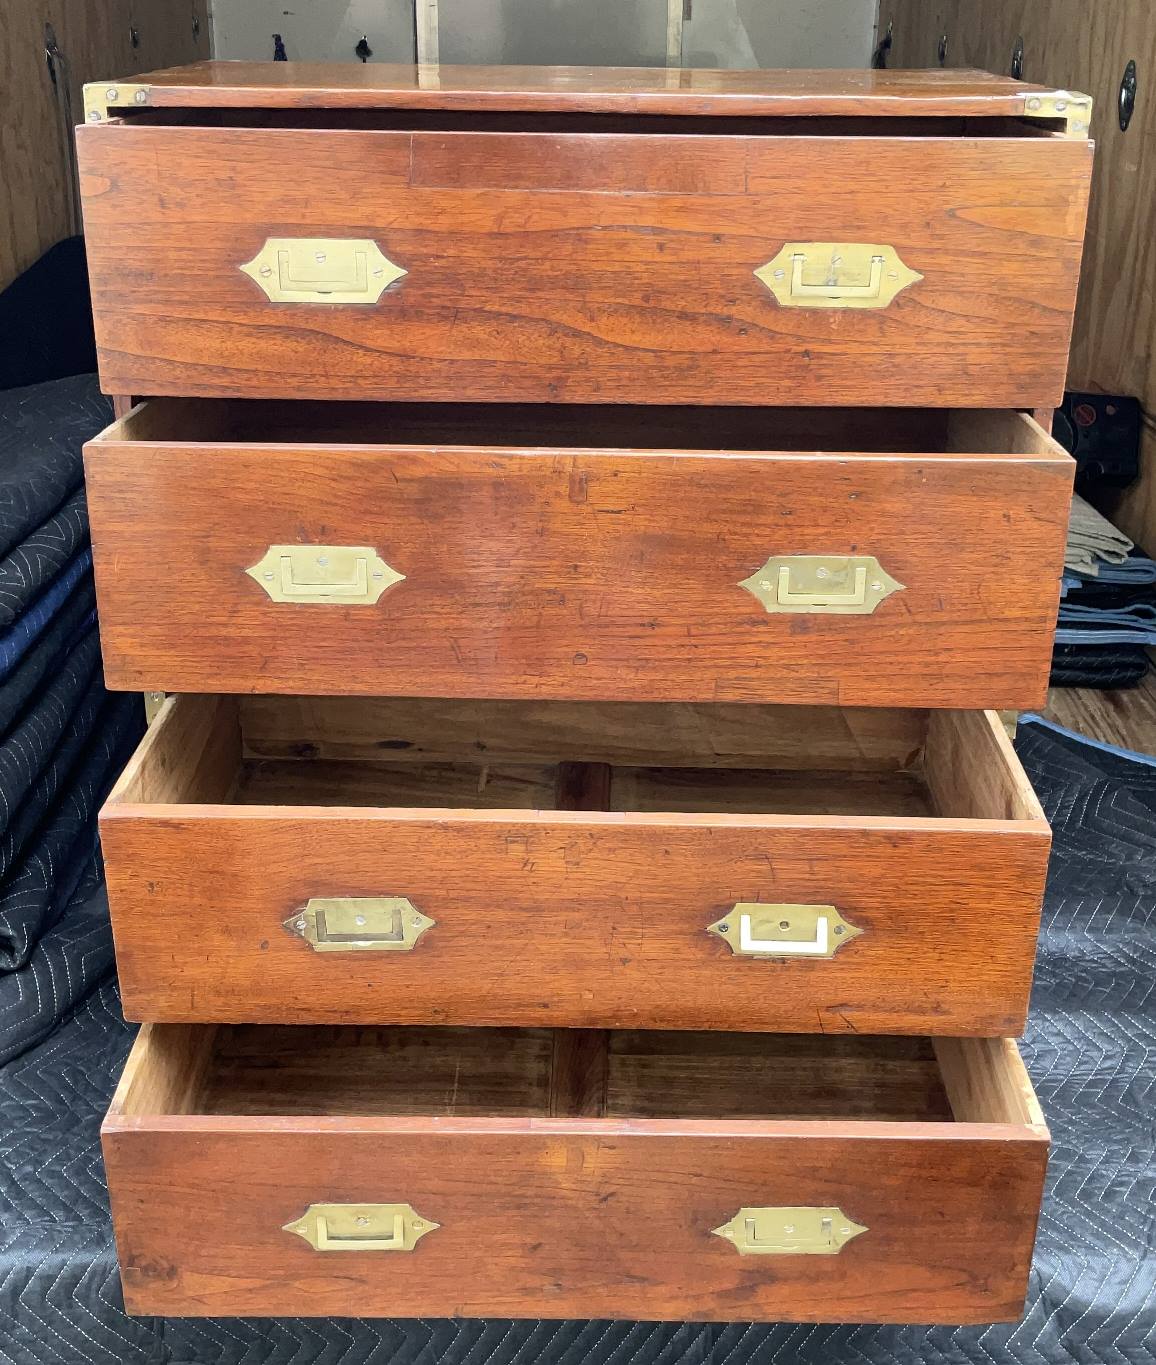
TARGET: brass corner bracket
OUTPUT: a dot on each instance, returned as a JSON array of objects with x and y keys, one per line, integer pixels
[
  {"x": 103, "y": 99},
  {"x": 1067, "y": 106}
]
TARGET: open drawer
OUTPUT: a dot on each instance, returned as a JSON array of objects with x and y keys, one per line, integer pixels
[
  {"x": 793, "y": 869},
  {"x": 570, "y": 1174},
  {"x": 863, "y": 557},
  {"x": 543, "y": 235}
]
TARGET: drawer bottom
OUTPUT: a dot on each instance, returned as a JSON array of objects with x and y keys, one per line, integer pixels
[{"x": 438, "y": 1172}]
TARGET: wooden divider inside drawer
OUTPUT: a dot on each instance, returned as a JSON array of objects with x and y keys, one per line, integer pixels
[{"x": 612, "y": 866}]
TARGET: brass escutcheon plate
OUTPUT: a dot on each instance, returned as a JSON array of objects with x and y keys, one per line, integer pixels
[
  {"x": 830, "y": 585},
  {"x": 789, "y": 1231}
]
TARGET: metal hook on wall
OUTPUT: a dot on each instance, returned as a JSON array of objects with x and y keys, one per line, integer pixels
[{"x": 1128, "y": 88}]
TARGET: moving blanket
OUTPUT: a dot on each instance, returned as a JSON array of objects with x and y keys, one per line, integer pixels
[
  {"x": 42, "y": 429},
  {"x": 1091, "y": 1048}
]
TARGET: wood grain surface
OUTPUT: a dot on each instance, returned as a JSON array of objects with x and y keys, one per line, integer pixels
[
  {"x": 572, "y": 1216},
  {"x": 583, "y": 267},
  {"x": 565, "y": 573},
  {"x": 575, "y": 917},
  {"x": 38, "y": 195},
  {"x": 1082, "y": 47},
  {"x": 592, "y": 89}
]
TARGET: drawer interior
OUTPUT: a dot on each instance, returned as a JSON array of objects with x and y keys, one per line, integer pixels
[
  {"x": 627, "y": 758},
  {"x": 893, "y": 431},
  {"x": 540, "y": 1073}
]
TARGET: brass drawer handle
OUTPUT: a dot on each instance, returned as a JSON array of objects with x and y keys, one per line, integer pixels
[
  {"x": 836, "y": 275},
  {"x": 361, "y": 1227},
  {"x": 789, "y": 1231},
  {"x": 784, "y": 930},
  {"x": 349, "y": 575},
  {"x": 359, "y": 924},
  {"x": 836, "y": 585},
  {"x": 324, "y": 270}
]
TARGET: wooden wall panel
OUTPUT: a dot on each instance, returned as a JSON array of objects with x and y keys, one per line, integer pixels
[
  {"x": 36, "y": 205},
  {"x": 1075, "y": 45}
]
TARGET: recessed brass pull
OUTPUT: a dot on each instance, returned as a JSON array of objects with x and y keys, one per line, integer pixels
[
  {"x": 789, "y": 1231},
  {"x": 361, "y": 1227},
  {"x": 348, "y": 575},
  {"x": 753, "y": 929},
  {"x": 359, "y": 924},
  {"x": 322, "y": 270},
  {"x": 838, "y": 585},
  {"x": 836, "y": 275}
]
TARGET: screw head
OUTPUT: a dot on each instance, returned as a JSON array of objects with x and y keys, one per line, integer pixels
[
  {"x": 94, "y": 116},
  {"x": 784, "y": 924},
  {"x": 269, "y": 575},
  {"x": 141, "y": 97},
  {"x": 359, "y": 920},
  {"x": 112, "y": 94},
  {"x": 266, "y": 270},
  {"x": 320, "y": 257},
  {"x": 724, "y": 928},
  {"x": 299, "y": 924},
  {"x": 820, "y": 573},
  {"x": 323, "y": 560},
  {"x": 362, "y": 1221}
]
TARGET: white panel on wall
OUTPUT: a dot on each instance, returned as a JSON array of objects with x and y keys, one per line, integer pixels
[
  {"x": 779, "y": 33},
  {"x": 548, "y": 32},
  {"x": 313, "y": 30},
  {"x": 724, "y": 33}
]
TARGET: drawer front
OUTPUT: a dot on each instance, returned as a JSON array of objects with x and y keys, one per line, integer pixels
[
  {"x": 307, "y": 911},
  {"x": 610, "y": 575},
  {"x": 583, "y": 268},
  {"x": 572, "y": 922},
  {"x": 579, "y": 1219}
]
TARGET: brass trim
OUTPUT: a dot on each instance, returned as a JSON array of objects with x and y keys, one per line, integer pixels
[
  {"x": 755, "y": 929},
  {"x": 345, "y": 575},
  {"x": 322, "y": 270},
  {"x": 832, "y": 585},
  {"x": 361, "y": 1227},
  {"x": 359, "y": 924},
  {"x": 836, "y": 275},
  {"x": 153, "y": 701},
  {"x": 1066, "y": 106},
  {"x": 786, "y": 1231},
  {"x": 105, "y": 99}
]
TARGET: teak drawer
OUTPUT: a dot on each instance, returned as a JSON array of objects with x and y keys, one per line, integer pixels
[
  {"x": 832, "y": 252},
  {"x": 859, "y": 557},
  {"x": 567, "y": 1174},
  {"x": 878, "y": 871}
]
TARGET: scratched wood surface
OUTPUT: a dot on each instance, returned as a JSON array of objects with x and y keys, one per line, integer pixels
[
  {"x": 583, "y": 267},
  {"x": 321, "y": 85},
  {"x": 561, "y": 1217},
  {"x": 582, "y": 916},
  {"x": 559, "y": 572}
]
